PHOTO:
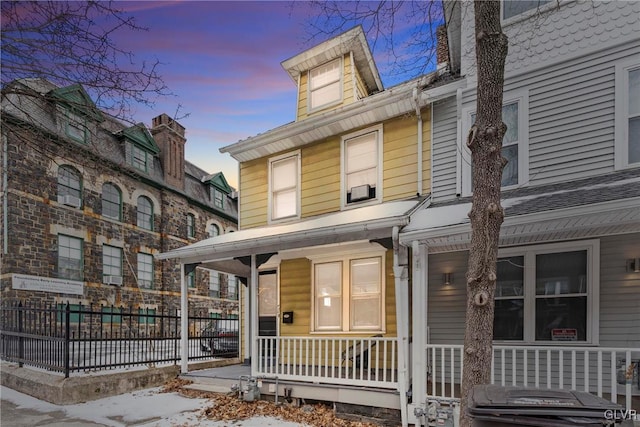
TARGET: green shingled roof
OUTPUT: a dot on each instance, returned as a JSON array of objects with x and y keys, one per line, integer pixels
[
  {"x": 140, "y": 136},
  {"x": 78, "y": 99}
]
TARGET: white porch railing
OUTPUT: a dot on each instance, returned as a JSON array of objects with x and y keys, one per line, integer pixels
[
  {"x": 370, "y": 361},
  {"x": 611, "y": 373}
]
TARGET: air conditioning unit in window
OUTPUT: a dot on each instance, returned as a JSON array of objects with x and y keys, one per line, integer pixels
[
  {"x": 112, "y": 280},
  {"x": 70, "y": 200},
  {"x": 361, "y": 192}
]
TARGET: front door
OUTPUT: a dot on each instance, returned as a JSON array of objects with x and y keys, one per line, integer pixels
[{"x": 268, "y": 313}]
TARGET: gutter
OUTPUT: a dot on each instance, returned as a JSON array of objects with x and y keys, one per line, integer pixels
[{"x": 420, "y": 142}]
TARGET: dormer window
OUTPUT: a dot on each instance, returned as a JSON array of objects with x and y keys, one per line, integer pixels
[
  {"x": 218, "y": 198},
  {"x": 76, "y": 127},
  {"x": 325, "y": 84},
  {"x": 139, "y": 158}
]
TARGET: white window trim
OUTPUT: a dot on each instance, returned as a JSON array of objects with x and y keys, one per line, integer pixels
[
  {"x": 527, "y": 14},
  {"x": 272, "y": 160},
  {"x": 593, "y": 289},
  {"x": 622, "y": 113},
  {"x": 341, "y": 82},
  {"x": 343, "y": 181},
  {"x": 346, "y": 291},
  {"x": 522, "y": 98}
]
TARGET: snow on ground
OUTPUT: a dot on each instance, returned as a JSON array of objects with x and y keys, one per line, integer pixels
[{"x": 144, "y": 408}]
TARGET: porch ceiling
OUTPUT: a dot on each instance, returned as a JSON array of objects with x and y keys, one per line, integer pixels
[{"x": 366, "y": 223}]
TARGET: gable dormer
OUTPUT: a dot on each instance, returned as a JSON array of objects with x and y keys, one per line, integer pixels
[
  {"x": 219, "y": 189},
  {"x": 332, "y": 74},
  {"x": 140, "y": 148},
  {"x": 77, "y": 115}
]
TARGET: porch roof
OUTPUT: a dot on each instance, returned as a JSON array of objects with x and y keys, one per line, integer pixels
[
  {"x": 365, "y": 223},
  {"x": 597, "y": 206}
]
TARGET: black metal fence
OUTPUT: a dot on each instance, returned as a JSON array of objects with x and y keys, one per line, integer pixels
[{"x": 77, "y": 338}]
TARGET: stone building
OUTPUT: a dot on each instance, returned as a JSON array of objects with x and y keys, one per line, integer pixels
[{"x": 88, "y": 202}]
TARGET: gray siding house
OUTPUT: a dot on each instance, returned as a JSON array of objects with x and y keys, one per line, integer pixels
[{"x": 568, "y": 290}]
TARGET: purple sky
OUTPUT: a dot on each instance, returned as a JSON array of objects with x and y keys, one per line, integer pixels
[{"x": 222, "y": 61}]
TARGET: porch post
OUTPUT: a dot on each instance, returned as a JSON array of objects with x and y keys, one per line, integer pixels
[
  {"x": 420, "y": 327},
  {"x": 402, "y": 320},
  {"x": 253, "y": 306},
  {"x": 184, "y": 323},
  {"x": 246, "y": 323}
]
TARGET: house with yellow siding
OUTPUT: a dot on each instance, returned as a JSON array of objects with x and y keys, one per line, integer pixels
[{"x": 321, "y": 203}]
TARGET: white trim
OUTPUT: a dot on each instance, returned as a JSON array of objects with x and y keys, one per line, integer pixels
[
  {"x": 593, "y": 288},
  {"x": 340, "y": 82},
  {"x": 271, "y": 161},
  {"x": 534, "y": 12},
  {"x": 621, "y": 154},
  {"x": 520, "y": 96},
  {"x": 343, "y": 182},
  {"x": 209, "y": 223}
]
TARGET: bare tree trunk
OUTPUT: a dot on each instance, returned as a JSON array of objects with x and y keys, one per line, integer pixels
[{"x": 485, "y": 142}]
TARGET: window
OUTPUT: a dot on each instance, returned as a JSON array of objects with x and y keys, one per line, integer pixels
[
  {"x": 284, "y": 175},
  {"x": 76, "y": 127},
  {"x": 111, "y": 265},
  {"x": 511, "y": 8},
  {"x": 111, "y": 315},
  {"x": 145, "y": 213},
  {"x": 213, "y": 230},
  {"x": 111, "y": 202},
  {"x": 362, "y": 158},
  {"x": 139, "y": 158},
  {"x": 218, "y": 198},
  {"x": 515, "y": 145},
  {"x": 325, "y": 84},
  {"x": 214, "y": 284},
  {"x": 146, "y": 316},
  {"x": 348, "y": 294},
  {"x": 547, "y": 294},
  {"x": 145, "y": 270},
  {"x": 70, "y": 260},
  {"x": 69, "y": 187},
  {"x": 191, "y": 280},
  {"x": 627, "y": 114},
  {"x": 191, "y": 226},
  {"x": 75, "y": 313},
  {"x": 232, "y": 287}
]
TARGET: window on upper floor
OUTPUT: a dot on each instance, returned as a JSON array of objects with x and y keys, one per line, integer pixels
[
  {"x": 214, "y": 284},
  {"x": 325, "y": 84},
  {"x": 284, "y": 188},
  {"x": 362, "y": 167},
  {"x": 232, "y": 287},
  {"x": 547, "y": 294},
  {"x": 111, "y": 202},
  {"x": 191, "y": 225},
  {"x": 348, "y": 294},
  {"x": 627, "y": 114},
  {"x": 144, "y": 214},
  {"x": 512, "y": 8},
  {"x": 218, "y": 198},
  {"x": 76, "y": 126},
  {"x": 70, "y": 259},
  {"x": 140, "y": 158},
  {"x": 145, "y": 270},
  {"x": 515, "y": 144},
  {"x": 69, "y": 186},
  {"x": 111, "y": 265},
  {"x": 213, "y": 230}
]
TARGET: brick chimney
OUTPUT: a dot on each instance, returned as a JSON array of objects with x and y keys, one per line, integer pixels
[
  {"x": 169, "y": 136},
  {"x": 442, "y": 47}
]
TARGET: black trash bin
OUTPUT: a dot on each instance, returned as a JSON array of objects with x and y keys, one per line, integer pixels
[{"x": 498, "y": 406}]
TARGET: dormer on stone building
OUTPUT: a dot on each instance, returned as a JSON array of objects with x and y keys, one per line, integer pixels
[
  {"x": 335, "y": 73},
  {"x": 140, "y": 148},
  {"x": 169, "y": 135}
]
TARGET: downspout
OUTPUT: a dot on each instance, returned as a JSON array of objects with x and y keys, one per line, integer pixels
[
  {"x": 402, "y": 320},
  {"x": 420, "y": 327},
  {"x": 5, "y": 194},
  {"x": 184, "y": 323},
  {"x": 459, "y": 142},
  {"x": 419, "y": 141}
]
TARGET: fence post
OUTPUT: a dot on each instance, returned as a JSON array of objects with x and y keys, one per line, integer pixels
[
  {"x": 67, "y": 339},
  {"x": 20, "y": 337}
]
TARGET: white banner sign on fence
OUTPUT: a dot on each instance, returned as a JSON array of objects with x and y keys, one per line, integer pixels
[{"x": 46, "y": 284}]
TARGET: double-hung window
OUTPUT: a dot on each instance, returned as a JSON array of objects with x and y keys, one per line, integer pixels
[
  {"x": 232, "y": 287},
  {"x": 548, "y": 294},
  {"x": 515, "y": 144},
  {"x": 70, "y": 260},
  {"x": 513, "y": 8},
  {"x": 69, "y": 186},
  {"x": 348, "y": 294},
  {"x": 284, "y": 186},
  {"x": 627, "y": 114},
  {"x": 76, "y": 127},
  {"x": 111, "y": 202},
  {"x": 144, "y": 216},
  {"x": 214, "y": 284},
  {"x": 361, "y": 166},
  {"x": 191, "y": 225},
  {"x": 145, "y": 270},
  {"x": 325, "y": 85},
  {"x": 139, "y": 158},
  {"x": 111, "y": 264},
  {"x": 218, "y": 198}
]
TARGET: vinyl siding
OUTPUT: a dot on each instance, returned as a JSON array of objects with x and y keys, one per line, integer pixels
[
  {"x": 444, "y": 149},
  {"x": 321, "y": 178},
  {"x": 253, "y": 187}
]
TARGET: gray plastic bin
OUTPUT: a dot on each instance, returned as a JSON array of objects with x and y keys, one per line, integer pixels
[{"x": 497, "y": 406}]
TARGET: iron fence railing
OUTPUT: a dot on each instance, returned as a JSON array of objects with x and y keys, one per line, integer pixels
[{"x": 75, "y": 338}]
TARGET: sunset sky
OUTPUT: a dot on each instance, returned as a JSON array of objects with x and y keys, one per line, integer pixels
[{"x": 222, "y": 62}]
